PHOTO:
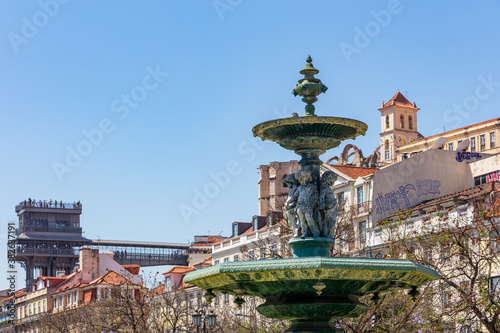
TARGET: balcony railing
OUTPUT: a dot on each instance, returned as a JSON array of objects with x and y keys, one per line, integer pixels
[
  {"x": 363, "y": 208},
  {"x": 45, "y": 228},
  {"x": 46, "y": 204},
  {"x": 45, "y": 251}
]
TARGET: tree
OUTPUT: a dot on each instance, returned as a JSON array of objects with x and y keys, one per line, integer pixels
[{"x": 462, "y": 243}]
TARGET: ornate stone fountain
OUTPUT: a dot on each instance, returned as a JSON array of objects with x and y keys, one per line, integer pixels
[{"x": 311, "y": 289}]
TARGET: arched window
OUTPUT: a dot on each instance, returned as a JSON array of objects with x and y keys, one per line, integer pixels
[
  {"x": 410, "y": 122},
  {"x": 386, "y": 148},
  {"x": 402, "y": 121},
  {"x": 387, "y": 121}
]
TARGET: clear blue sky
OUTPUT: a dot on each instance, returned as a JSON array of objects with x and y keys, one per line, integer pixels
[{"x": 175, "y": 87}]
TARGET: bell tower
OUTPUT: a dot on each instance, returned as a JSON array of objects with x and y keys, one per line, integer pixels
[{"x": 398, "y": 127}]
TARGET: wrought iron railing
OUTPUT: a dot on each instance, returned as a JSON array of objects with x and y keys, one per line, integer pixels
[
  {"x": 363, "y": 208},
  {"x": 47, "y": 204},
  {"x": 46, "y": 251},
  {"x": 45, "y": 228}
]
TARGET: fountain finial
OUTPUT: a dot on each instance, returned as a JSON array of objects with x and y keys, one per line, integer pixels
[{"x": 309, "y": 87}]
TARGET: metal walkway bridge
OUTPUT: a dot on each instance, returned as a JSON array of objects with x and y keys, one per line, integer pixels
[{"x": 144, "y": 253}]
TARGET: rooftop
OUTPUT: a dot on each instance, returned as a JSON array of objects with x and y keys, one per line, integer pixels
[
  {"x": 113, "y": 278},
  {"x": 179, "y": 270},
  {"x": 460, "y": 129},
  {"x": 354, "y": 172},
  {"x": 398, "y": 99}
]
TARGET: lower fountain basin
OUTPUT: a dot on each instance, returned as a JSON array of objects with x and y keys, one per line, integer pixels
[
  {"x": 296, "y": 276},
  {"x": 311, "y": 291}
]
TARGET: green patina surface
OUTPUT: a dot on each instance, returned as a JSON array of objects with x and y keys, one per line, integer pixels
[
  {"x": 296, "y": 276},
  {"x": 310, "y": 132}
]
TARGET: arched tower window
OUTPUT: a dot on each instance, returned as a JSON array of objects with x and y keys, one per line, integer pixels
[
  {"x": 386, "y": 148},
  {"x": 402, "y": 121},
  {"x": 410, "y": 122},
  {"x": 387, "y": 121}
]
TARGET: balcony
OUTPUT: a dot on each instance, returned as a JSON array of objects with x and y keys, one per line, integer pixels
[
  {"x": 363, "y": 208},
  {"x": 45, "y": 228},
  {"x": 45, "y": 252},
  {"x": 45, "y": 204}
]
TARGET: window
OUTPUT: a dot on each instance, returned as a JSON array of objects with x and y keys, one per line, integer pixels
[
  {"x": 216, "y": 262},
  {"x": 226, "y": 259},
  {"x": 44, "y": 306},
  {"x": 473, "y": 144},
  {"x": 262, "y": 254},
  {"x": 362, "y": 233},
  {"x": 495, "y": 283},
  {"x": 482, "y": 142},
  {"x": 341, "y": 199},
  {"x": 256, "y": 222},
  {"x": 75, "y": 297},
  {"x": 492, "y": 140},
  {"x": 226, "y": 299},
  {"x": 402, "y": 121},
  {"x": 450, "y": 146},
  {"x": 446, "y": 298},
  {"x": 251, "y": 255},
  {"x": 167, "y": 282},
  {"x": 359, "y": 194},
  {"x": 236, "y": 257},
  {"x": 274, "y": 250},
  {"x": 235, "y": 230},
  {"x": 387, "y": 121},
  {"x": 69, "y": 299},
  {"x": 39, "y": 308},
  {"x": 55, "y": 302},
  {"x": 386, "y": 148},
  {"x": 410, "y": 122},
  {"x": 29, "y": 310}
]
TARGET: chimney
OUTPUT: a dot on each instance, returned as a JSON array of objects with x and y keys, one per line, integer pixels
[{"x": 89, "y": 264}]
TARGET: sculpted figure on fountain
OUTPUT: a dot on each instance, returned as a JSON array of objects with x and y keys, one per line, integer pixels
[
  {"x": 291, "y": 204},
  {"x": 328, "y": 207},
  {"x": 311, "y": 213},
  {"x": 307, "y": 201}
]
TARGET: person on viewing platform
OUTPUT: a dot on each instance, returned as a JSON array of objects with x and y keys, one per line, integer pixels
[{"x": 55, "y": 203}]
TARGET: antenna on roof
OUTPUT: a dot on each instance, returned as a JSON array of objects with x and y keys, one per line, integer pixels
[{"x": 406, "y": 93}]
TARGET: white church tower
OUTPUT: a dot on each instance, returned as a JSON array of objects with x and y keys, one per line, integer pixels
[{"x": 398, "y": 127}]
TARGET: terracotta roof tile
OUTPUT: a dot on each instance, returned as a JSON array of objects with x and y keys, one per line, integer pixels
[
  {"x": 132, "y": 269},
  {"x": 179, "y": 270},
  {"x": 398, "y": 99},
  {"x": 112, "y": 278},
  {"x": 353, "y": 171},
  {"x": 156, "y": 291}
]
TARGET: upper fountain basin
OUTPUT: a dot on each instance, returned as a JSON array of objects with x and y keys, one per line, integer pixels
[{"x": 310, "y": 132}]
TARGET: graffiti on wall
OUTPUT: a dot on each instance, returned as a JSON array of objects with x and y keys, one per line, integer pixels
[
  {"x": 400, "y": 198},
  {"x": 467, "y": 156},
  {"x": 493, "y": 177}
]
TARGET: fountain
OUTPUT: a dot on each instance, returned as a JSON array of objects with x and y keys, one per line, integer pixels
[{"x": 311, "y": 289}]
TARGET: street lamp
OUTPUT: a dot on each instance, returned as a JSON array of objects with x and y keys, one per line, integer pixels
[{"x": 201, "y": 316}]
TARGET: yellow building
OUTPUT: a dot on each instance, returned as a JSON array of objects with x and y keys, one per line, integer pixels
[{"x": 482, "y": 139}]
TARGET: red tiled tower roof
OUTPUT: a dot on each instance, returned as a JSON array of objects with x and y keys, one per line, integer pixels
[{"x": 398, "y": 99}]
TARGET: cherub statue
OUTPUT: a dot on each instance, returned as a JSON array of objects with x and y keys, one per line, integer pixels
[
  {"x": 307, "y": 200},
  {"x": 291, "y": 204},
  {"x": 328, "y": 207}
]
